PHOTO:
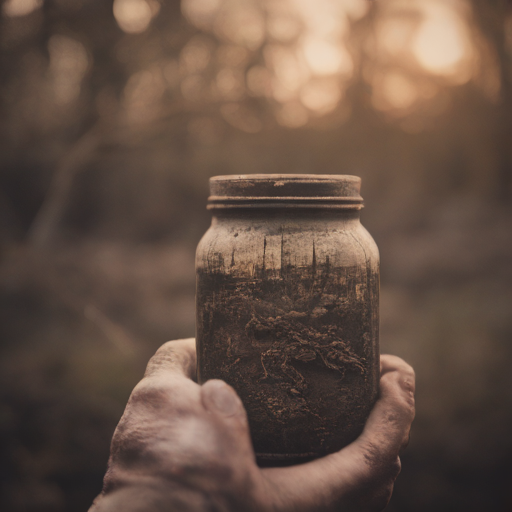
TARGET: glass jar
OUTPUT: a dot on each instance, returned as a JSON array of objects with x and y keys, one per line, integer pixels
[{"x": 287, "y": 309}]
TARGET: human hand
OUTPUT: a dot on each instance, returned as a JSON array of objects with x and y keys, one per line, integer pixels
[{"x": 182, "y": 446}]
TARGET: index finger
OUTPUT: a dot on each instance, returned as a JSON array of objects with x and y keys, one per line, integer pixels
[
  {"x": 176, "y": 357},
  {"x": 169, "y": 379}
]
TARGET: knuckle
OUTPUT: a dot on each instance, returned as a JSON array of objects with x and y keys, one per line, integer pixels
[
  {"x": 133, "y": 444},
  {"x": 408, "y": 380},
  {"x": 162, "y": 356},
  {"x": 150, "y": 392},
  {"x": 400, "y": 390}
]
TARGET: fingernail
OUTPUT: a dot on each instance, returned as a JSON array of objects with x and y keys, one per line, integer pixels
[{"x": 223, "y": 398}]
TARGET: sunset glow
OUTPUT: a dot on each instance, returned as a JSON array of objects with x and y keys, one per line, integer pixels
[{"x": 305, "y": 64}]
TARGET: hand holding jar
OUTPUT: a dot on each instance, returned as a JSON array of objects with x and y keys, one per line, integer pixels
[{"x": 182, "y": 446}]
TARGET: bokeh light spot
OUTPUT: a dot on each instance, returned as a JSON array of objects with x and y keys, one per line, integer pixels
[
  {"x": 15, "y": 8},
  {"x": 195, "y": 55},
  {"x": 398, "y": 90},
  {"x": 394, "y": 92},
  {"x": 321, "y": 95},
  {"x": 230, "y": 84},
  {"x": 134, "y": 16},
  {"x": 289, "y": 72},
  {"x": 394, "y": 35},
  {"x": 200, "y": 12},
  {"x": 325, "y": 58},
  {"x": 439, "y": 44}
]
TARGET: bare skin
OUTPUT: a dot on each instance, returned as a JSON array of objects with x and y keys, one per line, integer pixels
[{"x": 184, "y": 447}]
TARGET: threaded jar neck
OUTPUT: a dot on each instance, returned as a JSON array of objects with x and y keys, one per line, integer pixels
[{"x": 324, "y": 191}]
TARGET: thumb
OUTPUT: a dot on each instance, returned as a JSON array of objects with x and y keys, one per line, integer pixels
[
  {"x": 222, "y": 402},
  {"x": 221, "y": 399}
]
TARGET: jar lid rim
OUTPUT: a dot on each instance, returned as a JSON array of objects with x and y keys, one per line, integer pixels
[
  {"x": 285, "y": 190},
  {"x": 286, "y": 177}
]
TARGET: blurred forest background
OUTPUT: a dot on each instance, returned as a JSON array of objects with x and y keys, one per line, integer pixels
[{"x": 114, "y": 114}]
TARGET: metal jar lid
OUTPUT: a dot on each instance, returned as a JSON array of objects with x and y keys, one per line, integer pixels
[{"x": 285, "y": 191}]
